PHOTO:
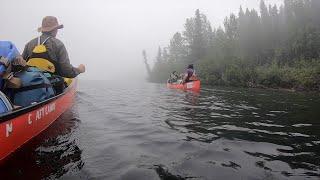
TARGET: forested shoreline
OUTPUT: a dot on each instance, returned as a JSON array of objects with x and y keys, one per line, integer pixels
[{"x": 277, "y": 47}]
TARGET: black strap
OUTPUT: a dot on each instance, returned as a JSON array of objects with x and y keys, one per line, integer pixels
[{"x": 27, "y": 88}]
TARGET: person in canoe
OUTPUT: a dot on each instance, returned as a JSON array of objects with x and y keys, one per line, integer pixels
[
  {"x": 174, "y": 77},
  {"x": 49, "y": 53},
  {"x": 190, "y": 74},
  {"x": 48, "y": 67}
]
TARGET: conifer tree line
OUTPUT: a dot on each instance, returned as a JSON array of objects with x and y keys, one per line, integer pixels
[{"x": 275, "y": 47}]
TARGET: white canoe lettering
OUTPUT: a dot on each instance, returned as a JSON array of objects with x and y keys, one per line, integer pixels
[{"x": 9, "y": 129}]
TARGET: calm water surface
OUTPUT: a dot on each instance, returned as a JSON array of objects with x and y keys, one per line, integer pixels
[{"x": 146, "y": 131}]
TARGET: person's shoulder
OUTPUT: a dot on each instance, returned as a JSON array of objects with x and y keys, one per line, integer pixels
[
  {"x": 33, "y": 41},
  {"x": 57, "y": 42}
]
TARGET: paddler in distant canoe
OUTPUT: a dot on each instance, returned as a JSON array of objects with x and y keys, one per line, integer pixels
[
  {"x": 190, "y": 74},
  {"x": 174, "y": 77},
  {"x": 50, "y": 51}
]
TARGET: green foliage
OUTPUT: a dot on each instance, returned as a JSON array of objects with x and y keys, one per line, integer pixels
[
  {"x": 280, "y": 47},
  {"x": 177, "y": 48},
  {"x": 303, "y": 75},
  {"x": 210, "y": 71},
  {"x": 198, "y": 33}
]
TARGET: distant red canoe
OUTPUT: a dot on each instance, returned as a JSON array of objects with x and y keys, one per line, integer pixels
[
  {"x": 20, "y": 126},
  {"x": 193, "y": 86}
]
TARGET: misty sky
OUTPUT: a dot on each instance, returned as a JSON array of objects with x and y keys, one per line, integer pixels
[{"x": 108, "y": 36}]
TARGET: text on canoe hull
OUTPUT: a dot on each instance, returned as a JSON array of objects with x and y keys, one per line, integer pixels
[{"x": 33, "y": 116}]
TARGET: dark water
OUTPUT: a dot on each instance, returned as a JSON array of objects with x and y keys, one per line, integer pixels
[{"x": 146, "y": 131}]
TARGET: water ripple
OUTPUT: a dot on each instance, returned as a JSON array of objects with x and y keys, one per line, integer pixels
[{"x": 146, "y": 131}]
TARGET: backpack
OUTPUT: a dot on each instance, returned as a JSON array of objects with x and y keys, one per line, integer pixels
[
  {"x": 36, "y": 87},
  {"x": 40, "y": 57}
]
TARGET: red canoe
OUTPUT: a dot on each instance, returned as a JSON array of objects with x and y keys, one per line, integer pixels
[
  {"x": 20, "y": 126},
  {"x": 193, "y": 86}
]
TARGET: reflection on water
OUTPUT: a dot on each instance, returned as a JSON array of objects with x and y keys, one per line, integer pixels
[
  {"x": 50, "y": 155},
  {"x": 146, "y": 131}
]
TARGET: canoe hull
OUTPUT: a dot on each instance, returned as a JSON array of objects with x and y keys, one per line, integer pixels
[
  {"x": 193, "y": 86},
  {"x": 19, "y": 127}
]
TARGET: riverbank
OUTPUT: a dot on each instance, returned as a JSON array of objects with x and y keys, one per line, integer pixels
[{"x": 299, "y": 76}]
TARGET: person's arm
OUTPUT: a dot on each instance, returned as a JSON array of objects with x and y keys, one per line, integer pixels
[
  {"x": 177, "y": 76},
  {"x": 25, "y": 54},
  {"x": 66, "y": 69},
  {"x": 184, "y": 78},
  {"x": 19, "y": 61}
]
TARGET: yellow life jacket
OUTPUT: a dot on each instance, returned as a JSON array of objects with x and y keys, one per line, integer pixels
[{"x": 40, "y": 58}]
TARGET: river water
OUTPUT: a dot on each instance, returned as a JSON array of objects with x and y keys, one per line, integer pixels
[{"x": 146, "y": 131}]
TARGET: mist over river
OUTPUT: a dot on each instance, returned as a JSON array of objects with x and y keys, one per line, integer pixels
[{"x": 139, "y": 130}]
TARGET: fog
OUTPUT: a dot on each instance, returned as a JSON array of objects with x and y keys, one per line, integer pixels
[{"x": 109, "y": 36}]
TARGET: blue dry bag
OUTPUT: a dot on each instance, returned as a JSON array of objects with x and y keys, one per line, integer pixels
[
  {"x": 7, "y": 50},
  {"x": 36, "y": 87}
]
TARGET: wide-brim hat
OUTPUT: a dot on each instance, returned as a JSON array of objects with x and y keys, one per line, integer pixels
[{"x": 49, "y": 23}]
